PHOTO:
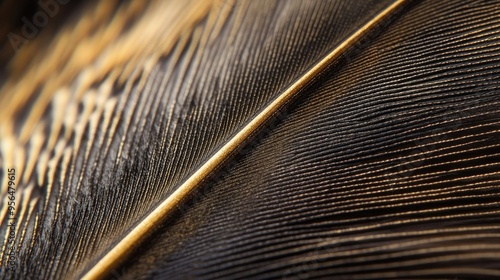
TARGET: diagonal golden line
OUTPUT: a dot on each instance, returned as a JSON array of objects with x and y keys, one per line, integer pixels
[{"x": 146, "y": 226}]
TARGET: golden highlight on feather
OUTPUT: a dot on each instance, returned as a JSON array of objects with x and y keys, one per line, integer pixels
[
  {"x": 125, "y": 246},
  {"x": 110, "y": 44},
  {"x": 90, "y": 50},
  {"x": 144, "y": 139}
]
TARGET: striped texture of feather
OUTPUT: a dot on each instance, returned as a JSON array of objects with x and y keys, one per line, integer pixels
[
  {"x": 107, "y": 146},
  {"x": 386, "y": 168}
]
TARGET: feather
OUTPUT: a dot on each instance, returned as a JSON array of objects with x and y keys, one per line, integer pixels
[{"x": 381, "y": 161}]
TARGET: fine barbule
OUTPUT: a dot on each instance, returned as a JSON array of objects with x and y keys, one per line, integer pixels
[{"x": 217, "y": 139}]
